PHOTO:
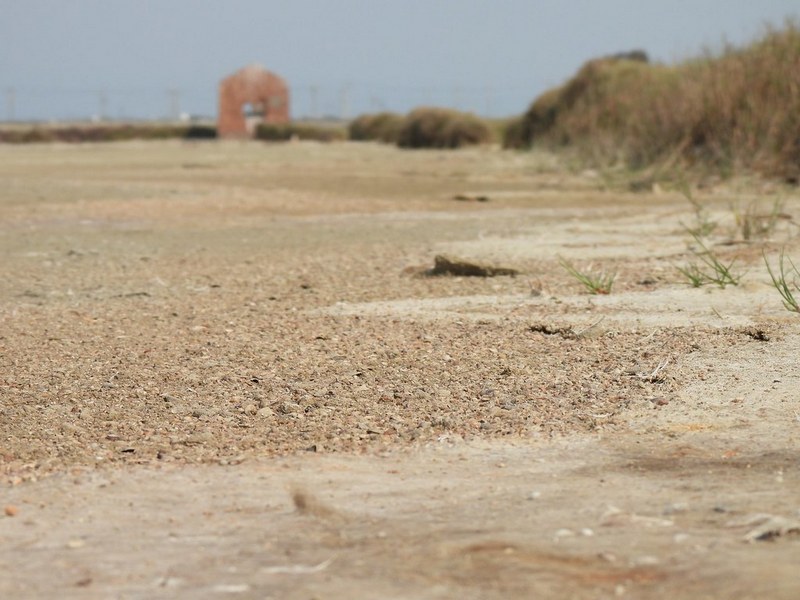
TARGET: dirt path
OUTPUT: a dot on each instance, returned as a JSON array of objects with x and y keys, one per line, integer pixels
[{"x": 221, "y": 375}]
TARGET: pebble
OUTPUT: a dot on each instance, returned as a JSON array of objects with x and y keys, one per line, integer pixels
[
  {"x": 563, "y": 533},
  {"x": 168, "y": 582},
  {"x": 648, "y": 560},
  {"x": 607, "y": 556},
  {"x": 231, "y": 588},
  {"x": 675, "y": 507},
  {"x": 202, "y": 437},
  {"x": 11, "y": 510},
  {"x": 289, "y": 408},
  {"x": 534, "y": 495}
]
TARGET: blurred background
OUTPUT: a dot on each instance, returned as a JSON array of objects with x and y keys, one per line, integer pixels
[{"x": 124, "y": 60}]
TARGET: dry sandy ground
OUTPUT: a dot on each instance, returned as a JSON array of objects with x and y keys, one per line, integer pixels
[{"x": 222, "y": 375}]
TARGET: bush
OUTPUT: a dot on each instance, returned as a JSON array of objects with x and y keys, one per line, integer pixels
[
  {"x": 200, "y": 132},
  {"x": 739, "y": 109},
  {"x": 380, "y": 127},
  {"x": 105, "y": 133},
  {"x": 598, "y": 97},
  {"x": 515, "y": 133},
  {"x": 442, "y": 128},
  {"x": 283, "y": 133}
]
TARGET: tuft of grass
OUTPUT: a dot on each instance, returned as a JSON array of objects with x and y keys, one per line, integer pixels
[
  {"x": 703, "y": 225},
  {"x": 595, "y": 283},
  {"x": 786, "y": 281},
  {"x": 754, "y": 223},
  {"x": 694, "y": 274},
  {"x": 716, "y": 271}
]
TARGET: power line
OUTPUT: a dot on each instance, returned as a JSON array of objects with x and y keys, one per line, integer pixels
[{"x": 344, "y": 100}]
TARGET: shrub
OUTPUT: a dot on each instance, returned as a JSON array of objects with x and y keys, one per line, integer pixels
[
  {"x": 737, "y": 109},
  {"x": 442, "y": 128},
  {"x": 600, "y": 106},
  {"x": 381, "y": 127},
  {"x": 105, "y": 133},
  {"x": 292, "y": 131},
  {"x": 515, "y": 134},
  {"x": 200, "y": 132},
  {"x": 537, "y": 121}
]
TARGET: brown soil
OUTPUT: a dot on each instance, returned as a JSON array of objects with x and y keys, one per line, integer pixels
[{"x": 223, "y": 372}]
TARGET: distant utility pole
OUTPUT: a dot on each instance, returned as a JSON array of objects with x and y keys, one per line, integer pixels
[
  {"x": 102, "y": 105},
  {"x": 488, "y": 96},
  {"x": 11, "y": 101},
  {"x": 174, "y": 96},
  {"x": 314, "y": 93},
  {"x": 457, "y": 97},
  {"x": 376, "y": 104},
  {"x": 344, "y": 102}
]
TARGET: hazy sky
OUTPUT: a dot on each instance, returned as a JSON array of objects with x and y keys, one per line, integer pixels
[{"x": 76, "y": 58}]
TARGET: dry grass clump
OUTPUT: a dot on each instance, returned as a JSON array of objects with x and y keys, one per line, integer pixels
[
  {"x": 714, "y": 270},
  {"x": 296, "y": 131},
  {"x": 380, "y": 127},
  {"x": 594, "y": 282},
  {"x": 737, "y": 109},
  {"x": 786, "y": 279},
  {"x": 442, "y": 128}
]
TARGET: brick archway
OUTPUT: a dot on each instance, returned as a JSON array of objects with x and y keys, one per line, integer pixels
[{"x": 253, "y": 90}]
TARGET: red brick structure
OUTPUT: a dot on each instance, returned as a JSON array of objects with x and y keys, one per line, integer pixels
[{"x": 251, "y": 96}]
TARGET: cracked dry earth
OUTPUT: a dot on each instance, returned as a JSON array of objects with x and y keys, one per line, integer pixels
[{"x": 223, "y": 373}]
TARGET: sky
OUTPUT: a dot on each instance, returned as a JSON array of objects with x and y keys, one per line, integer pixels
[{"x": 151, "y": 59}]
